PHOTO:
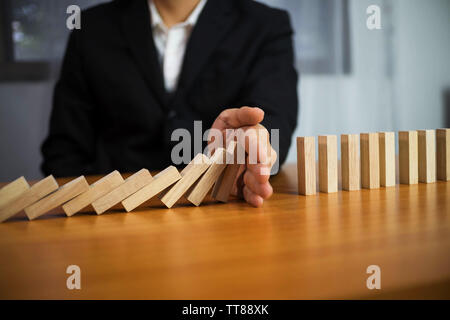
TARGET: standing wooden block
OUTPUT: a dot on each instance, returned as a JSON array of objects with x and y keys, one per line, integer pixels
[
  {"x": 37, "y": 191},
  {"x": 199, "y": 190},
  {"x": 189, "y": 175},
  {"x": 67, "y": 192},
  {"x": 443, "y": 154},
  {"x": 131, "y": 185},
  {"x": 370, "y": 160},
  {"x": 328, "y": 171},
  {"x": 160, "y": 182},
  {"x": 222, "y": 187},
  {"x": 408, "y": 157},
  {"x": 387, "y": 158},
  {"x": 12, "y": 190},
  {"x": 306, "y": 165},
  {"x": 350, "y": 162},
  {"x": 96, "y": 190},
  {"x": 427, "y": 155}
]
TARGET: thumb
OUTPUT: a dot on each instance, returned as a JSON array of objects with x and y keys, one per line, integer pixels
[{"x": 238, "y": 117}]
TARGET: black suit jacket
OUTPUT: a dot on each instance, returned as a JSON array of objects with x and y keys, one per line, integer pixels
[{"x": 110, "y": 108}]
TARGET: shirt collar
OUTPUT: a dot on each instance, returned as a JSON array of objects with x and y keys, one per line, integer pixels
[{"x": 190, "y": 21}]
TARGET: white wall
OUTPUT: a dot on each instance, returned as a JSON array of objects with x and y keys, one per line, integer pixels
[
  {"x": 24, "y": 116},
  {"x": 399, "y": 74}
]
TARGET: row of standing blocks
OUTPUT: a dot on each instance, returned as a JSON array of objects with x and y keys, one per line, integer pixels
[
  {"x": 194, "y": 182},
  {"x": 369, "y": 160}
]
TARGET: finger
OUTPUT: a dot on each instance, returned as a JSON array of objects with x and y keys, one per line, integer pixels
[
  {"x": 260, "y": 171},
  {"x": 251, "y": 198},
  {"x": 236, "y": 118},
  {"x": 256, "y": 142},
  {"x": 262, "y": 189}
]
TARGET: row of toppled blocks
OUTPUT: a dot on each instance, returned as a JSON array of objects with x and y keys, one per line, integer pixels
[
  {"x": 369, "y": 160},
  {"x": 194, "y": 182}
]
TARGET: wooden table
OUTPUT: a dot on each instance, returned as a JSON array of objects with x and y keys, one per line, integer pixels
[{"x": 294, "y": 247}]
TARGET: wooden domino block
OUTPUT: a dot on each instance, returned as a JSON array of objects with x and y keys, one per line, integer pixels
[
  {"x": 408, "y": 157},
  {"x": 198, "y": 192},
  {"x": 12, "y": 190},
  {"x": 160, "y": 182},
  {"x": 387, "y": 158},
  {"x": 189, "y": 175},
  {"x": 131, "y": 185},
  {"x": 222, "y": 187},
  {"x": 37, "y": 191},
  {"x": 306, "y": 165},
  {"x": 443, "y": 154},
  {"x": 350, "y": 162},
  {"x": 67, "y": 192},
  {"x": 96, "y": 190},
  {"x": 370, "y": 160},
  {"x": 427, "y": 155},
  {"x": 328, "y": 171}
]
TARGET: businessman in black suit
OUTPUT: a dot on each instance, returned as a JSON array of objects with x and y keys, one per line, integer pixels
[{"x": 139, "y": 69}]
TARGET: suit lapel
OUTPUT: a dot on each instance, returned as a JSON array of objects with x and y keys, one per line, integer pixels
[
  {"x": 212, "y": 25},
  {"x": 137, "y": 30}
]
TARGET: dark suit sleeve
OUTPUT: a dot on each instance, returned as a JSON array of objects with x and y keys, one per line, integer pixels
[
  {"x": 272, "y": 82},
  {"x": 69, "y": 148}
]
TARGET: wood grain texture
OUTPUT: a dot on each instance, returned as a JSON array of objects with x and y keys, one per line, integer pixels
[
  {"x": 65, "y": 193},
  {"x": 443, "y": 154},
  {"x": 12, "y": 190},
  {"x": 189, "y": 175},
  {"x": 427, "y": 155},
  {"x": 293, "y": 247},
  {"x": 96, "y": 190},
  {"x": 408, "y": 157},
  {"x": 328, "y": 169},
  {"x": 37, "y": 191},
  {"x": 350, "y": 169},
  {"x": 199, "y": 190},
  {"x": 160, "y": 182},
  {"x": 306, "y": 165},
  {"x": 387, "y": 159},
  {"x": 370, "y": 160},
  {"x": 131, "y": 185},
  {"x": 223, "y": 186}
]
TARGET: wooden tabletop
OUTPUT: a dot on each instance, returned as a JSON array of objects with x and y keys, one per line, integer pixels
[{"x": 294, "y": 247}]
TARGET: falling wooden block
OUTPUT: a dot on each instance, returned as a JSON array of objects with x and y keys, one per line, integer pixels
[
  {"x": 222, "y": 187},
  {"x": 160, "y": 182},
  {"x": 131, "y": 185},
  {"x": 408, "y": 157},
  {"x": 189, "y": 175},
  {"x": 443, "y": 154},
  {"x": 370, "y": 160},
  {"x": 12, "y": 190},
  {"x": 306, "y": 165},
  {"x": 65, "y": 193},
  {"x": 427, "y": 155},
  {"x": 199, "y": 190},
  {"x": 387, "y": 158},
  {"x": 96, "y": 190},
  {"x": 37, "y": 191},
  {"x": 350, "y": 162},
  {"x": 328, "y": 171}
]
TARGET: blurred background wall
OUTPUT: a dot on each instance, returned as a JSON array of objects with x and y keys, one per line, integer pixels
[{"x": 352, "y": 79}]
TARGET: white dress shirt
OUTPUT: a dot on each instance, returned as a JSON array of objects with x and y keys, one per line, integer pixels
[{"x": 171, "y": 43}]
